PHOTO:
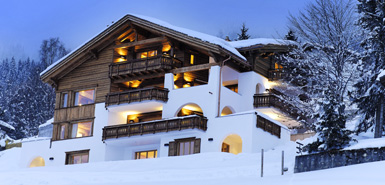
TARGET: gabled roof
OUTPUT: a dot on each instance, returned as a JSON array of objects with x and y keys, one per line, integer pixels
[
  {"x": 250, "y": 44},
  {"x": 215, "y": 44}
]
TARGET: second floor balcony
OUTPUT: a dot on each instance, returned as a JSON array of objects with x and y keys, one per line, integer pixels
[
  {"x": 273, "y": 99},
  {"x": 138, "y": 67},
  {"x": 275, "y": 74},
  {"x": 156, "y": 126},
  {"x": 137, "y": 95}
]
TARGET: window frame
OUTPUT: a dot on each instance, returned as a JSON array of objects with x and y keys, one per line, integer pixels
[
  {"x": 62, "y": 100},
  {"x": 77, "y": 91},
  {"x": 68, "y": 160},
  {"x": 155, "y": 154},
  {"x": 77, "y": 122},
  {"x": 139, "y": 54}
]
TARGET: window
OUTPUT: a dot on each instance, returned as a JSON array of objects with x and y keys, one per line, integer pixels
[
  {"x": 62, "y": 131},
  {"x": 84, "y": 97},
  {"x": 192, "y": 59},
  {"x": 81, "y": 129},
  {"x": 184, "y": 147},
  {"x": 233, "y": 87},
  {"x": 225, "y": 147},
  {"x": 146, "y": 154},
  {"x": 77, "y": 157},
  {"x": 148, "y": 54},
  {"x": 64, "y": 100}
]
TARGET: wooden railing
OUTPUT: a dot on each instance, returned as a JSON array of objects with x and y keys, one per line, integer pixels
[
  {"x": 272, "y": 99},
  {"x": 268, "y": 126},
  {"x": 276, "y": 74},
  {"x": 138, "y": 95},
  {"x": 152, "y": 127},
  {"x": 139, "y": 66}
]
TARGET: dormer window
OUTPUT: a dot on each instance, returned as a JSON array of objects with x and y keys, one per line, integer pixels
[{"x": 148, "y": 54}]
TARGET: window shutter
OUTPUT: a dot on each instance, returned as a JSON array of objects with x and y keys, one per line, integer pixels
[
  {"x": 197, "y": 146},
  {"x": 172, "y": 148},
  {"x": 54, "y": 132}
]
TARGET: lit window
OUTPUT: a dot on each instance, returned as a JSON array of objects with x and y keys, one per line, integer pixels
[
  {"x": 148, "y": 54},
  {"x": 81, "y": 129},
  {"x": 62, "y": 131},
  {"x": 146, "y": 154},
  {"x": 192, "y": 59},
  {"x": 64, "y": 100},
  {"x": 84, "y": 97},
  {"x": 186, "y": 148},
  {"x": 78, "y": 157}
]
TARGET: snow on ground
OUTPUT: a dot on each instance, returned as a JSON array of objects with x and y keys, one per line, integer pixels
[{"x": 206, "y": 168}]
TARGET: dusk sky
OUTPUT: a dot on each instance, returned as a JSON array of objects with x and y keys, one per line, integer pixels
[{"x": 24, "y": 24}]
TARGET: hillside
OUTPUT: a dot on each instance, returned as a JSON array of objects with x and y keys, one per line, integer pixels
[{"x": 207, "y": 168}]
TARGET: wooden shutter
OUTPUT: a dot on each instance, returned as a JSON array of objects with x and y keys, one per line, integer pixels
[
  {"x": 54, "y": 132},
  {"x": 172, "y": 149},
  {"x": 197, "y": 146}
]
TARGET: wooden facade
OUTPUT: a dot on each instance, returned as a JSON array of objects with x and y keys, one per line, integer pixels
[
  {"x": 268, "y": 126},
  {"x": 137, "y": 95}
]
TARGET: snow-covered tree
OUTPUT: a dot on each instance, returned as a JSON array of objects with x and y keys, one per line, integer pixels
[
  {"x": 291, "y": 36},
  {"x": 51, "y": 50},
  {"x": 369, "y": 92},
  {"x": 243, "y": 35},
  {"x": 323, "y": 66}
]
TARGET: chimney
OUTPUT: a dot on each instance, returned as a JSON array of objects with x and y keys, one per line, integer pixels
[{"x": 227, "y": 38}]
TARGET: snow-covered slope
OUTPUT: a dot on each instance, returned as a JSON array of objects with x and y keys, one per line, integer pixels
[{"x": 207, "y": 168}]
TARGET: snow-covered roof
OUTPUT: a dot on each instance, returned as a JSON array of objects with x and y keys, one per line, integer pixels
[
  {"x": 259, "y": 41},
  {"x": 198, "y": 35},
  {"x": 49, "y": 122},
  {"x": 4, "y": 124}
]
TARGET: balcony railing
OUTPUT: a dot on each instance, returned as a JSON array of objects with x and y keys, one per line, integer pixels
[
  {"x": 142, "y": 66},
  {"x": 139, "y": 95},
  {"x": 152, "y": 127},
  {"x": 268, "y": 126},
  {"x": 276, "y": 74},
  {"x": 273, "y": 100}
]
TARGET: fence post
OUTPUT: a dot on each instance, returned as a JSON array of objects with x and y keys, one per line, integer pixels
[
  {"x": 283, "y": 162},
  {"x": 262, "y": 163}
]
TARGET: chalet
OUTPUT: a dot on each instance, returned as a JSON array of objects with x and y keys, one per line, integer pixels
[{"x": 144, "y": 88}]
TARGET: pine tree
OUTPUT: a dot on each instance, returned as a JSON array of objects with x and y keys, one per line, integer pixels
[
  {"x": 243, "y": 35},
  {"x": 369, "y": 91},
  {"x": 323, "y": 67},
  {"x": 291, "y": 36}
]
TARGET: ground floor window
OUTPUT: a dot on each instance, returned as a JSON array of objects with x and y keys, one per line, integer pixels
[
  {"x": 146, "y": 154},
  {"x": 185, "y": 146},
  {"x": 77, "y": 157},
  {"x": 225, "y": 147}
]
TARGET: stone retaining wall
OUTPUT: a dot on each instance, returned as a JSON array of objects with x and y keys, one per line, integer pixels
[{"x": 339, "y": 158}]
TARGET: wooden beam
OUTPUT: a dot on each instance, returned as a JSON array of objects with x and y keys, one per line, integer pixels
[
  {"x": 142, "y": 42},
  {"x": 155, "y": 75},
  {"x": 193, "y": 68}
]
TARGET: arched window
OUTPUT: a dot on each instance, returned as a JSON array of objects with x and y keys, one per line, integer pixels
[
  {"x": 232, "y": 144},
  {"x": 226, "y": 111},
  {"x": 37, "y": 162},
  {"x": 190, "y": 109}
]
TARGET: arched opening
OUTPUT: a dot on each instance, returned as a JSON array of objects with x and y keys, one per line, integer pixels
[
  {"x": 37, "y": 162},
  {"x": 258, "y": 89},
  {"x": 226, "y": 111},
  {"x": 190, "y": 109},
  {"x": 232, "y": 144}
]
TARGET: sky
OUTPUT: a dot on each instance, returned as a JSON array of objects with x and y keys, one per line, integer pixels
[{"x": 25, "y": 24}]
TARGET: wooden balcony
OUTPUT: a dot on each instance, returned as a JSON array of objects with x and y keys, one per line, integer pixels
[
  {"x": 272, "y": 99},
  {"x": 137, "y": 95},
  {"x": 152, "y": 127},
  {"x": 268, "y": 126},
  {"x": 140, "y": 67},
  {"x": 276, "y": 74}
]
